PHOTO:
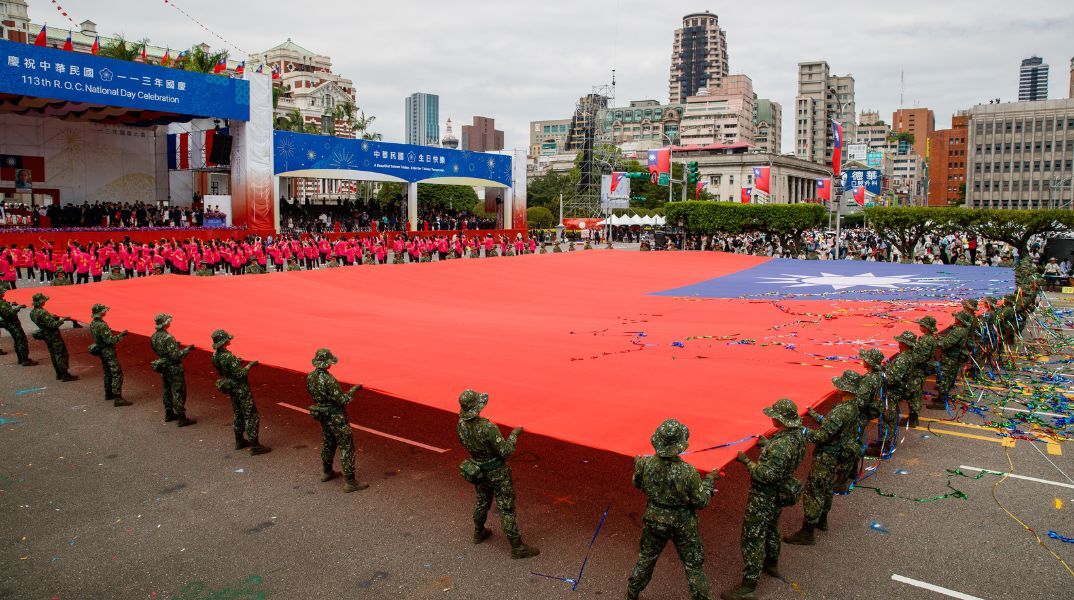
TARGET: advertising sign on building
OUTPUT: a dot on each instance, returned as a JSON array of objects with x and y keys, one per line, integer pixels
[
  {"x": 857, "y": 153},
  {"x": 614, "y": 191},
  {"x": 869, "y": 179},
  {"x": 874, "y": 159}
]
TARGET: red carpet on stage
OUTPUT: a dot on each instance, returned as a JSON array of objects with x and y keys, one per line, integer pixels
[{"x": 578, "y": 346}]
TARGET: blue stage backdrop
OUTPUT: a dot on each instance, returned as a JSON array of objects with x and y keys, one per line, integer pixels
[
  {"x": 298, "y": 152},
  {"x": 787, "y": 279},
  {"x": 28, "y": 70}
]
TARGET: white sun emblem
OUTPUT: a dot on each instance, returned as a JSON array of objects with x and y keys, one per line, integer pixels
[
  {"x": 311, "y": 155},
  {"x": 286, "y": 148},
  {"x": 842, "y": 282}
]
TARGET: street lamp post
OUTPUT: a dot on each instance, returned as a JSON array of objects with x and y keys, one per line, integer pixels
[{"x": 842, "y": 190}]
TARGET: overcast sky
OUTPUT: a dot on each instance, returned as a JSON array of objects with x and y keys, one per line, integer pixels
[{"x": 519, "y": 61}]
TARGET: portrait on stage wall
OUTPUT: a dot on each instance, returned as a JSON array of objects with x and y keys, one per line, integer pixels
[{"x": 24, "y": 179}]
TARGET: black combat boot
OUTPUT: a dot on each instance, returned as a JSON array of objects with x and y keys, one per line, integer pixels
[
  {"x": 520, "y": 550},
  {"x": 353, "y": 486},
  {"x": 329, "y": 474},
  {"x": 182, "y": 421},
  {"x": 912, "y": 421},
  {"x": 804, "y": 537},
  {"x": 240, "y": 442},
  {"x": 256, "y": 448},
  {"x": 481, "y": 534},
  {"x": 771, "y": 567},
  {"x": 28, "y": 363},
  {"x": 120, "y": 401},
  {"x": 68, "y": 377},
  {"x": 822, "y": 524},
  {"x": 169, "y": 415},
  {"x": 743, "y": 591}
]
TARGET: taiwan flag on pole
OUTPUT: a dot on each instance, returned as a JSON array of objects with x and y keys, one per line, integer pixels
[
  {"x": 660, "y": 160},
  {"x": 221, "y": 65},
  {"x": 67, "y": 45},
  {"x": 824, "y": 189},
  {"x": 747, "y": 193},
  {"x": 145, "y": 55},
  {"x": 95, "y": 49},
  {"x": 276, "y": 71},
  {"x": 697, "y": 192},
  {"x": 42, "y": 37},
  {"x": 617, "y": 178},
  {"x": 859, "y": 195},
  {"x": 241, "y": 69},
  {"x": 837, "y": 147},
  {"x": 761, "y": 179}
]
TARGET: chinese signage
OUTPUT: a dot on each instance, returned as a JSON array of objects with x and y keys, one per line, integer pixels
[
  {"x": 868, "y": 178},
  {"x": 27, "y": 70},
  {"x": 874, "y": 159},
  {"x": 857, "y": 152},
  {"x": 303, "y": 152}
]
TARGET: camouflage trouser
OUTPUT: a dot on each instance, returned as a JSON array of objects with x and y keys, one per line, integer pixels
[
  {"x": 760, "y": 531},
  {"x": 497, "y": 485},
  {"x": 336, "y": 433},
  {"x": 915, "y": 390},
  {"x": 57, "y": 351},
  {"x": 246, "y": 418},
  {"x": 817, "y": 498},
  {"x": 683, "y": 532},
  {"x": 950, "y": 369},
  {"x": 18, "y": 337},
  {"x": 113, "y": 374},
  {"x": 174, "y": 394}
]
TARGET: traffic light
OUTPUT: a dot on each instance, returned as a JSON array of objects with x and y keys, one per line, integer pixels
[
  {"x": 692, "y": 172},
  {"x": 637, "y": 175}
]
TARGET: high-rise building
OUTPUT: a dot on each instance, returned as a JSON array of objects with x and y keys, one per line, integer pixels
[
  {"x": 645, "y": 124},
  {"x": 947, "y": 162},
  {"x": 583, "y": 127},
  {"x": 720, "y": 115},
  {"x": 821, "y": 98},
  {"x": 1020, "y": 155},
  {"x": 549, "y": 137},
  {"x": 919, "y": 122},
  {"x": 449, "y": 141},
  {"x": 423, "y": 119},
  {"x": 482, "y": 136},
  {"x": 1033, "y": 80},
  {"x": 768, "y": 125},
  {"x": 871, "y": 130},
  {"x": 698, "y": 57}
]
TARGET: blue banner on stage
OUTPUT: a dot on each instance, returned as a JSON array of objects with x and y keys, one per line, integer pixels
[
  {"x": 787, "y": 279},
  {"x": 308, "y": 152},
  {"x": 28, "y": 70}
]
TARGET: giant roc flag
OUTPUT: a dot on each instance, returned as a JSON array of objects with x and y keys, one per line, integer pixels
[{"x": 595, "y": 348}]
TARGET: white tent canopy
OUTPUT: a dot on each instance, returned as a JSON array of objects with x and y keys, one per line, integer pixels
[{"x": 633, "y": 220}]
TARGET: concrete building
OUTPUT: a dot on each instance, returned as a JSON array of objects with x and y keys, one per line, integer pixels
[
  {"x": 423, "y": 119},
  {"x": 449, "y": 140},
  {"x": 309, "y": 86},
  {"x": 698, "y": 57},
  {"x": 821, "y": 98},
  {"x": 919, "y": 122},
  {"x": 1021, "y": 155},
  {"x": 1033, "y": 80},
  {"x": 721, "y": 114},
  {"x": 1071, "y": 78},
  {"x": 15, "y": 21},
  {"x": 642, "y": 124},
  {"x": 768, "y": 125},
  {"x": 482, "y": 136},
  {"x": 872, "y": 131},
  {"x": 549, "y": 137},
  {"x": 726, "y": 170},
  {"x": 947, "y": 163}
]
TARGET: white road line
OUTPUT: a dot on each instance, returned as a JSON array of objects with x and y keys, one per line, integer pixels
[
  {"x": 1035, "y": 412},
  {"x": 933, "y": 588},
  {"x": 1013, "y": 476},
  {"x": 380, "y": 433}
]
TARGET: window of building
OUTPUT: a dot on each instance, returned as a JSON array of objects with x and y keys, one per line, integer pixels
[{"x": 731, "y": 180}]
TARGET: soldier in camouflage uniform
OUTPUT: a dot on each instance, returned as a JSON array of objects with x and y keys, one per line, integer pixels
[
  {"x": 488, "y": 470},
  {"x": 116, "y": 274},
  {"x": 60, "y": 279},
  {"x": 676, "y": 491},
  {"x": 204, "y": 271},
  {"x": 990, "y": 329},
  {"x": 235, "y": 383},
  {"x": 899, "y": 381},
  {"x": 104, "y": 347},
  {"x": 953, "y": 349},
  {"x": 868, "y": 394},
  {"x": 836, "y": 438},
  {"x": 772, "y": 488},
  {"x": 973, "y": 337},
  {"x": 925, "y": 364},
  {"x": 9, "y": 321},
  {"x": 170, "y": 367},
  {"x": 49, "y": 332},
  {"x": 253, "y": 268},
  {"x": 330, "y": 410}
]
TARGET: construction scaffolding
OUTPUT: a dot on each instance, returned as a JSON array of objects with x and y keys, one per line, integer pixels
[{"x": 599, "y": 155}]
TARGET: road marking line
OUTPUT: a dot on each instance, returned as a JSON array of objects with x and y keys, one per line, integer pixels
[
  {"x": 933, "y": 588},
  {"x": 959, "y": 424},
  {"x": 1012, "y": 475},
  {"x": 1035, "y": 412},
  {"x": 375, "y": 432},
  {"x": 1006, "y": 442}
]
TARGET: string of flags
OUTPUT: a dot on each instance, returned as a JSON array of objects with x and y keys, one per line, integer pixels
[{"x": 202, "y": 25}]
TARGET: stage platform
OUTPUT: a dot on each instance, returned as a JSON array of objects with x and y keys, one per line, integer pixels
[{"x": 592, "y": 347}]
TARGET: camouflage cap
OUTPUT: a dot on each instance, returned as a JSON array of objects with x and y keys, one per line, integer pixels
[
  {"x": 969, "y": 303},
  {"x": 324, "y": 359},
  {"x": 964, "y": 318},
  {"x": 39, "y": 299},
  {"x": 1010, "y": 298},
  {"x": 670, "y": 439},
  {"x": 785, "y": 411},
  {"x": 99, "y": 310},
  {"x": 908, "y": 338},
  {"x": 990, "y": 301},
  {"x": 221, "y": 338},
  {"x": 928, "y": 323},
  {"x": 848, "y": 381},
  {"x": 162, "y": 320},
  {"x": 872, "y": 357},
  {"x": 471, "y": 403},
  {"x": 4, "y": 287}
]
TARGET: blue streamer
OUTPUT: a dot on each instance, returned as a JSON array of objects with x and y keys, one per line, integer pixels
[
  {"x": 1061, "y": 538},
  {"x": 585, "y": 560}
]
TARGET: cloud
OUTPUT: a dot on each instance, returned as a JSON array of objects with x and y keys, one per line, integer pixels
[{"x": 521, "y": 61}]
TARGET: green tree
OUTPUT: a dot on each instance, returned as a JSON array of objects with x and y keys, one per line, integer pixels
[
  {"x": 545, "y": 190},
  {"x": 361, "y": 124},
  {"x": 122, "y": 49},
  {"x": 1016, "y": 227},
  {"x": 449, "y": 197},
  {"x": 294, "y": 121},
  {"x": 539, "y": 217},
  {"x": 200, "y": 61},
  {"x": 904, "y": 226}
]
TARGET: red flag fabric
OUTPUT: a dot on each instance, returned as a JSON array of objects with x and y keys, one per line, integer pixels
[
  {"x": 184, "y": 151},
  {"x": 95, "y": 49},
  {"x": 221, "y": 65},
  {"x": 210, "y": 135},
  {"x": 697, "y": 192},
  {"x": 42, "y": 37},
  {"x": 67, "y": 45},
  {"x": 617, "y": 177},
  {"x": 761, "y": 179},
  {"x": 859, "y": 195},
  {"x": 145, "y": 57},
  {"x": 837, "y": 148},
  {"x": 747, "y": 193},
  {"x": 824, "y": 189},
  {"x": 660, "y": 160}
]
